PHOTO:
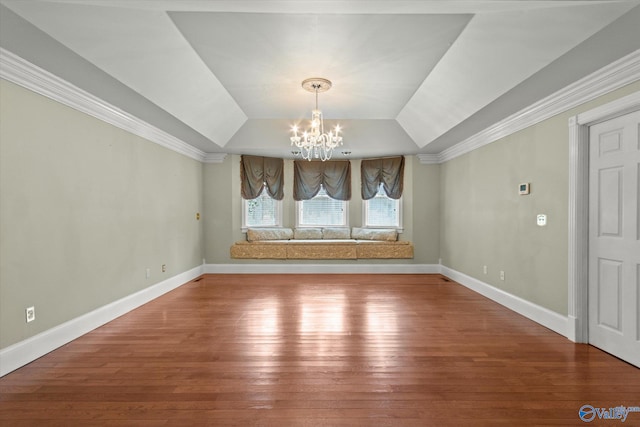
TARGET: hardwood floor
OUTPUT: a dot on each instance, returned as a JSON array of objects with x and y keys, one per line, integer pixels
[{"x": 314, "y": 350}]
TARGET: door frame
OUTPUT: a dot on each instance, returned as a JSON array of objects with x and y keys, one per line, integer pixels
[{"x": 578, "y": 310}]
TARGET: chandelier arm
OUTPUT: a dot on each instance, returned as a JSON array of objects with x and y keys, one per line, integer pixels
[{"x": 314, "y": 143}]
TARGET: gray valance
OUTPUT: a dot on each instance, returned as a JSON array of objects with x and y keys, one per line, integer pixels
[
  {"x": 389, "y": 172},
  {"x": 256, "y": 172},
  {"x": 333, "y": 175}
]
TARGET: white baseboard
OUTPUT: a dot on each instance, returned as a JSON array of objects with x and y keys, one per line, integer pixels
[
  {"x": 321, "y": 268},
  {"x": 547, "y": 318},
  {"x": 576, "y": 330},
  {"x": 24, "y": 352}
]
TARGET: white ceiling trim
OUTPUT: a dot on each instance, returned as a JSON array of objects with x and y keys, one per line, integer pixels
[
  {"x": 611, "y": 77},
  {"x": 429, "y": 159},
  {"x": 214, "y": 157},
  {"x": 147, "y": 53},
  {"x": 452, "y": 92},
  {"x": 21, "y": 72},
  {"x": 424, "y": 77}
]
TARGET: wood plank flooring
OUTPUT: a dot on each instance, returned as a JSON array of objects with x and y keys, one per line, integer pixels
[{"x": 319, "y": 350}]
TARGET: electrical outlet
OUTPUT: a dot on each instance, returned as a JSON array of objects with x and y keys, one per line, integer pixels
[
  {"x": 164, "y": 268},
  {"x": 501, "y": 275},
  {"x": 148, "y": 273},
  {"x": 484, "y": 269},
  {"x": 30, "y": 314}
]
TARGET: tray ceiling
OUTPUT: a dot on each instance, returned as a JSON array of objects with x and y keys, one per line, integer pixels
[{"x": 408, "y": 77}]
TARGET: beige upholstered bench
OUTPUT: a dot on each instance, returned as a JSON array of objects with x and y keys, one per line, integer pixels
[{"x": 265, "y": 244}]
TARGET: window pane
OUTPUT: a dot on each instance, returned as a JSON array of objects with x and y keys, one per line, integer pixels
[
  {"x": 261, "y": 211},
  {"x": 322, "y": 210},
  {"x": 382, "y": 211}
]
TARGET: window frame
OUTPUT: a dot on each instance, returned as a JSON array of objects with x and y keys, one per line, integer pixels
[
  {"x": 365, "y": 212},
  {"x": 345, "y": 214},
  {"x": 278, "y": 208}
]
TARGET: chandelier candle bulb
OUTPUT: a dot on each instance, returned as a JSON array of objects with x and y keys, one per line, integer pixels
[{"x": 315, "y": 143}]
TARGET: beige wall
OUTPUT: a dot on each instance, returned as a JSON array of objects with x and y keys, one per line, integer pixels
[
  {"x": 85, "y": 209},
  {"x": 425, "y": 210},
  {"x": 223, "y": 211},
  {"x": 486, "y": 222}
]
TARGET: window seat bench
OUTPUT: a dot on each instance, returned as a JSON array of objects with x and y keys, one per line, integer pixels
[
  {"x": 321, "y": 243},
  {"x": 322, "y": 249}
]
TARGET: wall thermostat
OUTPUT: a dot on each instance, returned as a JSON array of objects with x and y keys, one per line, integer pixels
[{"x": 523, "y": 188}]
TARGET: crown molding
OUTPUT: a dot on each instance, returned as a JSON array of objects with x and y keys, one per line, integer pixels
[
  {"x": 21, "y": 72},
  {"x": 214, "y": 157},
  {"x": 429, "y": 159},
  {"x": 609, "y": 78}
]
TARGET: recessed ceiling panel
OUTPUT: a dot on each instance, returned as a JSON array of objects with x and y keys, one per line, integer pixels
[
  {"x": 494, "y": 54},
  {"x": 143, "y": 50},
  {"x": 376, "y": 62},
  {"x": 408, "y": 76}
]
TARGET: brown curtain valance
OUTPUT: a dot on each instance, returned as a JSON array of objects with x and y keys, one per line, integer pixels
[
  {"x": 389, "y": 172},
  {"x": 256, "y": 172},
  {"x": 333, "y": 175}
]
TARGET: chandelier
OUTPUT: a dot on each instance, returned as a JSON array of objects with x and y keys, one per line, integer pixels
[{"x": 314, "y": 142}]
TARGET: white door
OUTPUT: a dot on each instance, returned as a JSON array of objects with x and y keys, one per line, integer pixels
[{"x": 614, "y": 237}]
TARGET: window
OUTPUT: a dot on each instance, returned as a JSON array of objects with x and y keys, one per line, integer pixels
[
  {"x": 263, "y": 211},
  {"x": 382, "y": 211},
  {"x": 322, "y": 211}
]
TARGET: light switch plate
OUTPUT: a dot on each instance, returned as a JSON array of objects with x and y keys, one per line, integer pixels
[{"x": 541, "y": 220}]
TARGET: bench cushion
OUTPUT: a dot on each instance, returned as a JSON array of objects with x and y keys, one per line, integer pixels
[
  {"x": 276, "y": 233},
  {"x": 383, "y": 234},
  {"x": 307, "y": 233},
  {"x": 336, "y": 233}
]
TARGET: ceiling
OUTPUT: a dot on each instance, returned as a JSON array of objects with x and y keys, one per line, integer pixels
[{"x": 409, "y": 77}]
